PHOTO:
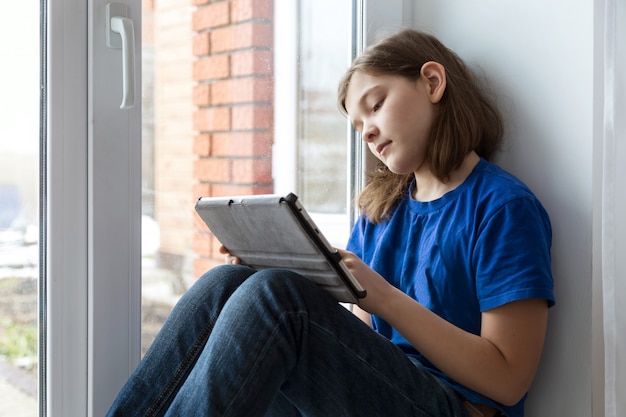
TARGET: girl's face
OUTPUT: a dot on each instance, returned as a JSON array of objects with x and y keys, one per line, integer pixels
[{"x": 394, "y": 116}]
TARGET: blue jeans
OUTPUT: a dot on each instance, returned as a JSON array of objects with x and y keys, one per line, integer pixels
[{"x": 271, "y": 343}]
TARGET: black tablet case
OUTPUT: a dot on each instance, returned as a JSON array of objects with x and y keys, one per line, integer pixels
[{"x": 267, "y": 231}]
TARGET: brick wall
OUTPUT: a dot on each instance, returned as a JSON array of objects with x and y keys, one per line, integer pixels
[
  {"x": 232, "y": 97},
  {"x": 173, "y": 130}
]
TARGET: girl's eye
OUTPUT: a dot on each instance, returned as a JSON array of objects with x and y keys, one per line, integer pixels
[{"x": 377, "y": 106}]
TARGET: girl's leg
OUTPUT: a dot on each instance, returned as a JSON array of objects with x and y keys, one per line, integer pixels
[
  {"x": 281, "y": 344},
  {"x": 166, "y": 365}
]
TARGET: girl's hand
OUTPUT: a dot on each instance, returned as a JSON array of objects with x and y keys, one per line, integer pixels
[
  {"x": 229, "y": 258},
  {"x": 379, "y": 291}
]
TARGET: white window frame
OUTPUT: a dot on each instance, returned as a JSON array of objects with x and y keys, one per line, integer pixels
[
  {"x": 284, "y": 156},
  {"x": 64, "y": 355},
  {"x": 92, "y": 214}
]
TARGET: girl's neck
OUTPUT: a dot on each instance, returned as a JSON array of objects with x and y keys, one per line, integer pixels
[{"x": 428, "y": 187}]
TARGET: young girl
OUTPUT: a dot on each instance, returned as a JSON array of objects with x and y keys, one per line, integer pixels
[{"x": 454, "y": 254}]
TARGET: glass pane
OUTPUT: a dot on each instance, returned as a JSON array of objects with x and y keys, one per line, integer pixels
[
  {"x": 208, "y": 108},
  {"x": 19, "y": 194},
  {"x": 322, "y": 152}
]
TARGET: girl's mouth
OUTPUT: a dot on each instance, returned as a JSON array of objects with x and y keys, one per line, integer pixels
[{"x": 381, "y": 148}]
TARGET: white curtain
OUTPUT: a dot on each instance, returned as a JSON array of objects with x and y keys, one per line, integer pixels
[{"x": 614, "y": 209}]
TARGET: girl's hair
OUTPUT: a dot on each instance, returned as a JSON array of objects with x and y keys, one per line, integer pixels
[{"x": 466, "y": 119}]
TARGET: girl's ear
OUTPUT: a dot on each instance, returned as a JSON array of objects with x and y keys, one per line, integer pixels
[{"x": 434, "y": 74}]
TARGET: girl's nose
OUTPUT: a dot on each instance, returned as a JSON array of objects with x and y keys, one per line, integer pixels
[{"x": 370, "y": 132}]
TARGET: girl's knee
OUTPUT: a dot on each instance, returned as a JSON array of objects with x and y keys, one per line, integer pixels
[
  {"x": 277, "y": 283},
  {"x": 279, "y": 278},
  {"x": 227, "y": 272},
  {"x": 221, "y": 278}
]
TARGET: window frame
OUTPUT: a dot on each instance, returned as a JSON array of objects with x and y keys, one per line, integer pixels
[
  {"x": 90, "y": 291},
  {"x": 63, "y": 345}
]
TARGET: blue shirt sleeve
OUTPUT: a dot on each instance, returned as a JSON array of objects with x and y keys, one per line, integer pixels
[{"x": 512, "y": 255}]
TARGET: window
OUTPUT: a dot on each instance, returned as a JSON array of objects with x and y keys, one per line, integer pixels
[
  {"x": 239, "y": 97},
  {"x": 96, "y": 196}
]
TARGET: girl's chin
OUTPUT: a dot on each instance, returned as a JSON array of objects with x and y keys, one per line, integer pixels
[{"x": 398, "y": 170}]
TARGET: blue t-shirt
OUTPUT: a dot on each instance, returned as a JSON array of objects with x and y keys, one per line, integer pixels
[{"x": 482, "y": 245}]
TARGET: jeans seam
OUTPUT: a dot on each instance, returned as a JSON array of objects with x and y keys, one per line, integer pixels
[
  {"x": 261, "y": 355},
  {"x": 190, "y": 358}
]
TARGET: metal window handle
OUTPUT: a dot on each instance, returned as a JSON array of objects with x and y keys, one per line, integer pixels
[{"x": 118, "y": 23}]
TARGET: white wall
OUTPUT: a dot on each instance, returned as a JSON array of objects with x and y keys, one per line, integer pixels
[{"x": 540, "y": 58}]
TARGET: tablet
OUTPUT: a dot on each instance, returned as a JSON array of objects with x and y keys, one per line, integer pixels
[{"x": 274, "y": 231}]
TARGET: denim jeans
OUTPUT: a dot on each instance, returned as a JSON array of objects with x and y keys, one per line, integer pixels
[{"x": 271, "y": 343}]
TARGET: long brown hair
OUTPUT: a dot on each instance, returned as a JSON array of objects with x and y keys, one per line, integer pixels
[{"x": 467, "y": 118}]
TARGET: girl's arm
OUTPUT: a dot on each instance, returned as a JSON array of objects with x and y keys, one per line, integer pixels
[{"x": 500, "y": 363}]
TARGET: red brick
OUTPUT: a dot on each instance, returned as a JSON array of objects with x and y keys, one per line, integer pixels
[
  {"x": 201, "y": 190},
  {"x": 263, "y": 89},
  {"x": 211, "y": 68},
  {"x": 252, "y": 62},
  {"x": 202, "y": 145},
  {"x": 223, "y": 92},
  {"x": 242, "y": 189},
  {"x": 212, "y": 119},
  {"x": 205, "y": 244},
  {"x": 252, "y": 118},
  {"x": 147, "y": 6},
  {"x": 201, "y": 265},
  {"x": 252, "y": 170},
  {"x": 202, "y": 95},
  {"x": 201, "y": 44},
  {"x": 241, "y": 144},
  {"x": 211, "y": 16},
  {"x": 233, "y": 141},
  {"x": 242, "y": 36},
  {"x": 242, "y": 90},
  {"x": 147, "y": 22},
  {"x": 212, "y": 169},
  {"x": 251, "y": 9},
  {"x": 215, "y": 252},
  {"x": 202, "y": 241}
]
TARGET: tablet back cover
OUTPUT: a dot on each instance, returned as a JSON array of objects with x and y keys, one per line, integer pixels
[{"x": 266, "y": 232}]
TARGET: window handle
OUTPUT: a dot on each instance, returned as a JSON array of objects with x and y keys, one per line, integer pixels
[{"x": 121, "y": 34}]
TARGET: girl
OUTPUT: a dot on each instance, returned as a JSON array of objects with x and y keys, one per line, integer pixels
[{"x": 454, "y": 254}]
